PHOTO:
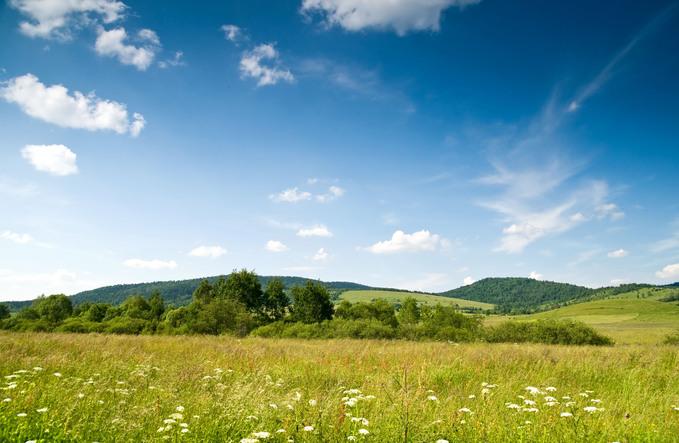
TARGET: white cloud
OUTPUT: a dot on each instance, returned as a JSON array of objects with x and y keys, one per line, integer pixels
[
  {"x": 53, "y": 159},
  {"x": 669, "y": 271},
  {"x": 275, "y": 246},
  {"x": 321, "y": 255},
  {"x": 252, "y": 65},
  {"x": 468, "y": 280},
  {"x": 113, "y": 44},
  {"x": 292, "y": 195},
  {"x": 400, "y": 15},
  {"x": 669, "y": 243},
  {"x": 610, "y": 211},
  {"x": 536, "y": 276},
  {"x": 16, "y": 285},
  {"x": 420, "y": 241},
  {"x": 232, "y": 33},
  {"x": 334, "y": 192},
  {"x": 618, "y": 253},
  {"x": 606, "y": 73},
  {"x": 150, "y": 264},
  {"x": 15, "y": 237},
  {"x": 54, "y": 18},
  {"x": 618, "y": 281},
  {"x": 314, "y": 231},
  {"x": 207, "y": 251},
  {"x": 176, "y": 60},
  {"x": 432, "y": 281},
  {"x": 53, "y": 104}
]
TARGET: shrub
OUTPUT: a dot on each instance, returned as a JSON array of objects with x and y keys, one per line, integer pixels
[
  {"x": 556, "y": 332},
  {"x": 672, "y": 339}
]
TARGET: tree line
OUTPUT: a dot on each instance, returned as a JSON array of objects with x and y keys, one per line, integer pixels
[{"x": 239, "y": 305}]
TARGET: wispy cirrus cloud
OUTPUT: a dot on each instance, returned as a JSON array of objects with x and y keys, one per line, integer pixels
[{"x": 593, "y": 86}]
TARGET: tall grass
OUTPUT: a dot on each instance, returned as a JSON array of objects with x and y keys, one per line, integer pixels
[{"x": 151, "y": 388}]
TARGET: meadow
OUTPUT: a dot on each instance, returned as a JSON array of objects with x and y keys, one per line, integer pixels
[
  {"x": 635, "y": 317},
  {"x": 105, "y": 388}
]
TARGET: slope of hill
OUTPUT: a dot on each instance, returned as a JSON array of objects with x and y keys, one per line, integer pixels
[
  {"x": 519, "y": 295},
  {"x": 638, "y": 316},
  {"x": 176, "y": 292},
  {"x": 397, "y": 297}
]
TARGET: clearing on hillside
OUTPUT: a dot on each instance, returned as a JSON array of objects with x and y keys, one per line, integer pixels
[
  {"x": 398, "y": 297},
  {"x": 636, "y": 317}
]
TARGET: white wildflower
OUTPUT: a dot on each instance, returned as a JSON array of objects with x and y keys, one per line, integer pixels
[
  {"x": 313, "y": 403},
  {"x": 363, "y": 431},
  {"x": 180, "y": 408},
  {"x": 41, "y": 410},
  {"x": 566, "y": 414},
  {"x": 308, "y": 428},
  {"x": 261, "y": 435},
  {"x": 465, "y": 410},
  {"x": 432, "y": 398}
]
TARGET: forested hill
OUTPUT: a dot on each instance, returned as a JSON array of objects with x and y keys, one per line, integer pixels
[
  {"x": 175, "y": 292},
  {"x": 514, "y": 294}
]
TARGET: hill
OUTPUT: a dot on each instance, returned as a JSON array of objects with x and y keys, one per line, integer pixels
[
  {"x": 638, "y": 316},
  {"x": 397, "y": 297},
  {"x": 519, "y": 295},
  {"x": 176, "y": 292}
]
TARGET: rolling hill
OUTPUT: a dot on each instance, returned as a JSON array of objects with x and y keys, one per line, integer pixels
[
  {"x": 176, "y": 292},
  {"x": 519, "y": 295},
  {"x": 397, "y": 297},
  {"x": 637, "y": 316}
]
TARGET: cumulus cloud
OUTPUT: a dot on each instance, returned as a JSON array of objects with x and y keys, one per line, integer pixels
[
  {"x": 420, "y": 241},
  {"x": 275, "y": 246},
  {"x": 54, "y": 18},
  {"x": 232, "y": 33},
  {"x": 53, "y": 159},
  {"x": 263, "y": 64},
  {"x": 54, "y": 104},
  {"x": 150, "y": 264},
  {"x": 536, "y": 276},
  {"x": 432, "y": 281},
  {"x": 669, "y": 271},
  {"x": 15, "y": 237},
  {"x": 207, "y": 251},
  {"x": 400, "y": 15},
  {"x": 291, "y": 195},
  {"x": 618, "y": 253},
  {"x": 321, "y": 255},
  {"x": 114, "y": 43},
  {"x": 314, "y": 231},
  {"x": 468, "y": 280},
  {"x": 334, "y": 192}
]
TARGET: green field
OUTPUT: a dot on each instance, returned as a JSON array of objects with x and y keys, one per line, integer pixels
[
  {"x": 398, "y": 297},
  {"x": 107, "y": 388},
  {"x": 637, "y": 317}
]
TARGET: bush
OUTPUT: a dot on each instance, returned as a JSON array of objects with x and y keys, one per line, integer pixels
[
  {"x": 554, "y": 332},
  {"x": 672, "y": 339}
]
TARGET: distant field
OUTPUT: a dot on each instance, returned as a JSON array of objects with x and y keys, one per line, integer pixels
[
  {"x": 398, "y": 297},
  {"x": 636, "y": 317},
  {"x": 106, "y": 388}
]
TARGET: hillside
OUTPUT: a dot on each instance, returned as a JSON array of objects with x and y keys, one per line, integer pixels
[
  {"x": 176, "y": 292},
  {"x": 639, "y": 316},
  {"x": 397, "y": 297},
  {"x": 519, "y": 295}
]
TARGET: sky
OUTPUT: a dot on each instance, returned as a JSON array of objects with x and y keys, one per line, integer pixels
[{"x": 417, "y": 144}]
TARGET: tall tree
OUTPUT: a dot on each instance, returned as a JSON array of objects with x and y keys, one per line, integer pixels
[
  {"x": 55, "y": 308},
  {"x": 311, "y": 303},
  {"x": 275, "y": 299},
  {"x": 157, "y": 305},
  {"x": 4, "y": 311}
]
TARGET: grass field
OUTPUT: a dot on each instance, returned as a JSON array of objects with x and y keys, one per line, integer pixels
[
  {"x": 637, "y": 317},
  {"x": 88, "y": 388},
  {"x": 398, "y": 297}
]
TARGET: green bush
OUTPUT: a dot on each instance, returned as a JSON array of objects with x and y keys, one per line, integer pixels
[{"x": 555, "y": 332}]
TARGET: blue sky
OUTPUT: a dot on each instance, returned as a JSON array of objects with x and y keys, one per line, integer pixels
[{"x": 412, "y": 144}]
